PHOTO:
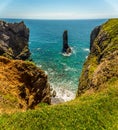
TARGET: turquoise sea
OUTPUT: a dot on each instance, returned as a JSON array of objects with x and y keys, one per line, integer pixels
[{"x": 46, "y": 47}]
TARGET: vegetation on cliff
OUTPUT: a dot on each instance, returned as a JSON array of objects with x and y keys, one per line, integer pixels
[
  {"x": 22, "y": 85},
  {"x": 101, "y": 67},
  {"x": 96, "y": 106},
  {"x": 14, "y": 39},
  {"x": 91, "y": 111}
]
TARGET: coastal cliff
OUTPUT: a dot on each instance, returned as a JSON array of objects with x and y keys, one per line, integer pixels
[
  {"x": 89, "y": 111},
  {"x": 101, "y": 67},
  {"x": 22, "y": 84},
  {"x": 14, "y": 39}
]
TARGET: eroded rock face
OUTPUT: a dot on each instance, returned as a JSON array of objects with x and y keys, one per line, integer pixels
[
  {"x": 14, "y": 40},
  {"x": 66, "y": 48},
  {"x": 101, "y": 66},
  {"x": 24, "y": 83},
  {"x": 93, "y": 35}
]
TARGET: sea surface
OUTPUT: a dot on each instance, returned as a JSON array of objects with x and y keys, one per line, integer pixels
[{"x": 46, "y": 48}]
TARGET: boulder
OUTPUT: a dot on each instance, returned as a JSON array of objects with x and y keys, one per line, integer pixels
[
  {"x": 66, "y": 48},
  {"x": 14, "y": 39}
]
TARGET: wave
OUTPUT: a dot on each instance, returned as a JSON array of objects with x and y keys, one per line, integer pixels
[
  {"x": 69, "y": 54},
  {"x": 64, "y": 94},
  {"x": 74, "y": 50},
  {"x": 38, "y": 49},
  {"x": 86, "y": 57},
  {"x": 30, "y": 42},
  {"x": 62, "y": 90},
  {"x": 65, "y": 54},
  {"x": 46, "y": 73},
  {"x": 86, "y": 49},
  {"x": 40, "y": 66},
  {"x": 69, "y": 69}
]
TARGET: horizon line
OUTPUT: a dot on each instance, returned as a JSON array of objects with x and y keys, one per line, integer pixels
[{"x": 57, "y": 19}]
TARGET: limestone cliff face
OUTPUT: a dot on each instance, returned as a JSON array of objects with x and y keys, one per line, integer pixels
[
  {"x": 101, "y": 66},
  {"x": 14, "y": 40},
  {"x": 23, "y": 82}
]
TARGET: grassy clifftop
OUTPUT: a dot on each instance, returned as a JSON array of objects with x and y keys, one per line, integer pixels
[
  {"x": 91, "y": 111},
  {"x": 96, "y": 108}
]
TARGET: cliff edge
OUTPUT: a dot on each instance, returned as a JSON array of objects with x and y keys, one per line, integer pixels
[
  {"x": 14, "y": 39},
  {"x": 22, "y": 84},
  {"x": 101, "y": 67}
]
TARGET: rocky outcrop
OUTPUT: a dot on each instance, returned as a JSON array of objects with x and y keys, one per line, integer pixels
[
  {"x": 24, "y": 84},
  {"x": 14, "y": 40},
  {"x": 66, "y": 48},
  {"x": 93, "y": 35},
  {"x": 101, "y": 67}
]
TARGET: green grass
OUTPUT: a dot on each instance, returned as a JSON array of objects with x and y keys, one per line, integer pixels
[
  {"x": 91, "y": 111},
  {"x": 96, "y": 111}
]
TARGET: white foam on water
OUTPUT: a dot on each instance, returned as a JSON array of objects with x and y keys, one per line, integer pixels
[
  {"x": 38, "y": 49},
  {"x": 46, "y": 73},
  {"x": 74, "y": 50},
  {"x": 69, "y": 54},
  {"x": 39, "y": 66},
  {"x": 65, "y": 54},
  {"x": 63, "y": 93},
  {"x": 63, "y": 63},
  {"x": 86, "y": 57},
  {"x": 69, "y": 69},
  {"x": 30, "y": 42},
  {"x": 86, "y": 49},
  {"x": 66, "y": 95}
]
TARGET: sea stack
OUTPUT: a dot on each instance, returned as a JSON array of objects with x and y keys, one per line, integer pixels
[{"x": 66, "y": 48}]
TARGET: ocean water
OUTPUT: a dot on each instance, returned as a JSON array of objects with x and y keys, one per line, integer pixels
[{"x": 46, "y": 47}]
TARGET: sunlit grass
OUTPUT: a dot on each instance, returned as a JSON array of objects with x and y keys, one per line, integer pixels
[{"x": 92, "y": 111}]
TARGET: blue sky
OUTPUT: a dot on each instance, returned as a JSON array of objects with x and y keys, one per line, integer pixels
[{"x": 59, "y": 9}]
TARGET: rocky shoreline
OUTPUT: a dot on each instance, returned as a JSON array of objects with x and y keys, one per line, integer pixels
[
  {"x": 23, "y": 80},
  {"x": 25, "y": 85}
]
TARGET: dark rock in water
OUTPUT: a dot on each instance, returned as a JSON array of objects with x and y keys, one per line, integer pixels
[
  {"x": 54, "y": 93},
  {"x": 14, "y": 40},
  {"x": 66, "y": 48}
]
